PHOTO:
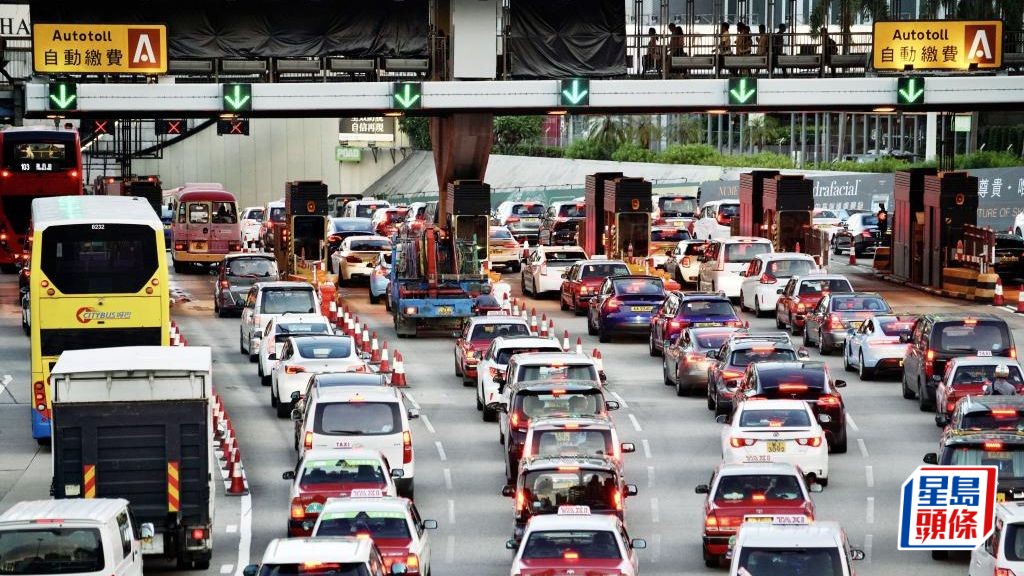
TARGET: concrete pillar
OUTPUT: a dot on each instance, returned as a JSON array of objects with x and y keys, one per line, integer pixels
[
  {"x": 931, "y": 134},
  {"x": 462, "y": 146}
]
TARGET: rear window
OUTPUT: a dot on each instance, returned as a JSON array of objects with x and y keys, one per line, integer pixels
[
  {"x": 711, "y": 340},
  {"x": 537, "y": 404},
  {"x": 819, "y": 286},
  {"x": 378, "y": 525},
  {"x": 788, "y": 268},
  {"x": 639, "y": 286},
  {"x": 500, "y": 234},
  {"x": 817, "y": 561},
  {"x": 277, "y": 214},
  {"x": 99, "y": 258},
  {"x": 488, "y": 332},
  {"x": 504, "y": 354},
  {"x": 528, "y": 210},
  {"x": 51, "y": 551},
  {"x": 775, "y": 418},
  {"x": 584, "y": 544},
  {"x": 564, "y": 255},
  {"x": 395, "y": 216},
  {"x": 859, "y": 304},
  {"x": 367, "y": 210},
  {"x": 793, "y": 383},
  {"x": 1007, "y": 458},
  {"x": 596, "y": 442},
  {"x": 745, "y": 251},
  {"x": 283, "y": 300},
  {"x": 573, "y": 211},
  {"x": 984, "y": 375},
  {"x": 357, "y": 418},
  {"x": 982, "y": 337},
  {"x": 1013, "y": 545},
  {"x": 252, "y": 267},
  {"x": 708, "y": 308},
  {"x": 767, "y": 354},
  {"x": 315, "y": 568},
  {"x": 745, "y": 487},
  {"x": 320, "y": 473},
  {"x": 895, "y": 327},
  {"x": 292, "y": 328},
  {"x": 369, "y": 245},
  {"x": 546, "y": 490},
  {"x": 996, "y": 418},
  {"x": 225, "y": 213},
  {"x": 669, "y": 234},
  {"x": 677, "y": 207},
  {"x": 559, "y": 372},
  {"x": 729, "y": 210},
  {"x": 694, "y": 249},
  {"x": 322, "y": 348},
  {"x": 256, "y": 214},
  {"x": 347, "y": 225},
  {"x": 869, "y": 220},
  {"x": 604, "y": 270}
]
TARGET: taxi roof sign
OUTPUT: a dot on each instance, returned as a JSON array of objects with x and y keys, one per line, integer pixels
[
  {"x": 578, "y": 510},
  {"x": 366, "y": 493}
]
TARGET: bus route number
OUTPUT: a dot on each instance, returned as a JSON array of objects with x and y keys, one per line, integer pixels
[
  {"x": 37, "y": 167},
  {"x": 98, "y": 226}
]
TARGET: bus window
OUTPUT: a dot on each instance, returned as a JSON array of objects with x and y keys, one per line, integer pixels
[
  {"x": 119, "y": 259},
  {"x": 198, "y": 213}
]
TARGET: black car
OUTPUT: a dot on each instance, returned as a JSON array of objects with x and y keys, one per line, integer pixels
[
  {"x": 1001, "y": 449},
  {"x": 937, "y": 338},
  {"x": 236, "y": 274},
  {"x": 1010, "y": 258},
  {"x": 860, "y": 233},
  {"x": 562, "y": 224},
  {"x": 342, "y": 228},
  {"x": 983, "y": 413}
]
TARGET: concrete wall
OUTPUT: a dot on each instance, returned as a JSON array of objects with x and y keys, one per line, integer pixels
[{"x": 255, "y": 167}]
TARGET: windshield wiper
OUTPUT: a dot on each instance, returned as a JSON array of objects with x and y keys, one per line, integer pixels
[{"x": 347, "y": 432}]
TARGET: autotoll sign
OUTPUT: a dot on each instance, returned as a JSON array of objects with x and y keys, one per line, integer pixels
[
  {"x": 99, "y": 48},
  {"x": 938, "y": 44}
]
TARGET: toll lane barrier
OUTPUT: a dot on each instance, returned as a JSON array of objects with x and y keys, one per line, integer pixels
[
  {"x": 883, "y": 259},
  {"x": 959, "y": 281},
  {"x": 985, "y": 288}
]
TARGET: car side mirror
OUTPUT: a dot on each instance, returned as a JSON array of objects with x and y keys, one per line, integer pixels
[
  {"x": 702, "y": 489},
  {"x": 289, "y": 475},
  {"x": 456, "y": 334},
  {"x": 839, "y": 383},
  {"x": 564, "y": 275},
  {"x": 627, "y": 448},
  {"x": 850, "y": 331},
  {"x": 272, "y": 356},
  {"x": 296, "y": 416},
  {"x": 295, "y": 396},
  {"x": 638, "y": 544},
  {"x": 815, "y": 487},
  {"x": 508, "y": 491},
  {"x": 429, "y": 524},
  {"x": 802, "y": 353},
  {"x": 905, "y": 338},
  {"x": 146, "y": 531},
  {"x": 251, "y": 570},
  {"x": 941, "y": 420},
  {"x": 511, "y": 545},
  {"x": 632, "y": 490},
  {"x": 413, "y": 414},
  {"x": 499, "y": 379},
  {"x": 824, "y": 418},
  {"x": 779, "y": 291},
  {"x": 397, "y": 473},
  {"x": 611, "y": 405},
  {"x": 931, "y": 458},
  {"x": 497, "y": 407},
  {"x": 856, "y": 554},
  {"x": 722, "y": 419},
  {"x": 713, "y": 354},
  {"x": 936, "y": 378},
  {"x": 743, "y": 273}
]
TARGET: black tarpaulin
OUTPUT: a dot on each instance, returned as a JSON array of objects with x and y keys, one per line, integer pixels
[
  {"x": 264, "y": 28},
  {"x": 564, "y": 38}
]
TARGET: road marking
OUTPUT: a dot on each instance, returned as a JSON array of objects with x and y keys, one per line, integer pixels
[
  {"x": 412, "y": 399},
  {"x": 650, "y": 476},
  {"x": 863, "y": 447},
  {"x": 448, "y": 479},
  {"x": 853, "y": 425},
  {"x": 656, "y": 548},
  {"x": 655, "y": 516},
  {"x": 451, "y": 511},
  {"x": 245, "y": 538},
  {"x": 449, "y": 552},
  {"x": 622, "y": 401},
  {"x": 440, "y": 451},
  {"x": 870, "y": 512},
  {"x": 427, "y": 424},
  {"x": 867, "y": 547},
  {"x": 647, "y": 448},
  {"x": 636, "y": 423},
  {"x": 869, "y": 476},
  {"x": 227, "y": 568},
  {"x": 232, "y": 528}
]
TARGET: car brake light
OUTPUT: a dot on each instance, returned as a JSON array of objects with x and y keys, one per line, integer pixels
[
  {"x": 571, "y": 556},
  {"x": 695, "y": 357},
  {"x": 612, "y": 304},
  {"x": 768, "y": 279},
  {"x": 686, "y": 262},
  {"x": 731, "y": 374},
  {"x": 812, "y": 442},
  {"x": 828, "y": 401},
  {"x": 224, "y": 284},
  {"x": 617, "y": 498},
  {"x": 333, "y": 238},
  {"x": 198, "y": 533},
  {"x": 1004, "y": 572},
  {"x": 834, "y": 321},
  {"x": 930, "y": 355},
  {"x": 179, "y": 246},
  {"x": 583, "y": 290},
  {"x": 512, "y": 219},
  {"x": 520, "y": 500},
  {"x": 412, "y": 563},
  {"x": 792, "y": 388},
  {"x": 234, "y": 246},
  {"x": 993, "y": 445},
  {"x": 929, "y": 365},
  {"x": 741, "y": 442},
  {"x": 736, "y": 323},
  {"x": 406, "y": 447},
  {"x": 723, "y": 219},
  {"x": 307, "y": 440},
  {"x": 292, "y": 369},
  {"x": 1013, "y": 353},
  {"x": 800, "y": 307},
  {"x": 298, "y": 510},
  {"x": 677, "y": 324},
  {"x": 1004, "y": 412}
]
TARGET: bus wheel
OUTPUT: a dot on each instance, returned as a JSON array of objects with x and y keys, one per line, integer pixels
[{"x": 178, "y": 267}]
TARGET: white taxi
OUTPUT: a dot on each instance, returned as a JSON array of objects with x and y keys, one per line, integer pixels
[
  {"x": 495, "y": 361},
  {"x": 1000, "y": 554},
  {"x": 575, "y": 542},
  {"x": 392, "y": 523},
  {"x": 792, "y": 544},
  {"x": 277, "y": 332},
  {"x": 782, "y": 431},
  {"x": 305, "y": 355},
  {"x": 321, "y": 556}
]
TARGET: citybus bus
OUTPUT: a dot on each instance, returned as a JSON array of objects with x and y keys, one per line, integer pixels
[
  {"x": 99, "y": 279},
  {"x": 34, "y": 162},
  {"x": 205, "y": 226}
]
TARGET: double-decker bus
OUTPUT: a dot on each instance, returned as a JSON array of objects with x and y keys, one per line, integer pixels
[
  {"x": 99, "y": 279},
  {"x": 34, "y": 162},
  {"x": 205, "y": 225}
]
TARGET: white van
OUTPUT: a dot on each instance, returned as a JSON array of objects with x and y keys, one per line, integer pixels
[
  {"x": 1000, "y": 553},
  {"x": 364, "y": 208},
  {"x": 71, "y": 537},
  {"x": 267, "y": 300},
  {"x": 715, "y": 219},
  {"x": 372, "y": 417},
  {"x": 805, "y": 546},
  {"x": 724, "y": 261}
]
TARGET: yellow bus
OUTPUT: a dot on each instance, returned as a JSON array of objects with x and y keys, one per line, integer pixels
[{"x": 99, "y": 279}]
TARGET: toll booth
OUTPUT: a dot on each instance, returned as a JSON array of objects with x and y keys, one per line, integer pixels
[
  {"x": 907, "y": 224},
  {"x": 595, "y": 230},
  {"x": 950, "y": 202},
  {"x": 627, "y": 213},
  {"x": 751, "y": 194},
  {"x": 469, "y": 223},
  {"x": 301, "y": 243},
  {"x": 788, "y": 205}
]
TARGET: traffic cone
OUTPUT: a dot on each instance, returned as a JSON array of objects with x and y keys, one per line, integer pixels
[
  {"x": 565, "y": 341},
  {"x": 997, "y": 298},
  {"x": 237, "y": 487},
  {"x": 544, "y": 326},
  {"x": 551, "y": 326},
  {"x": 1020, "y": 299},
  {"x": 853, "y": 256},
  {"x": 385, "y": 366},
  {"x": 175, "y": 339},
  {"x": 374, "y": 349},
  {"x": 526, "y": 316},
  {"x": 598, "y": 361},
  {"x": 505, "y": 306},
  {"x": 797, "y": 247},
  {"x": 357, "y": 334},
  {"x": 515, "y": 308},
  {"x": 398, "y": 373},
  {"x": 339, "y": 322},
  {"x": 332, "y": 311},
  {"x": 533, "y": 321},
  {"x": 579, "y": 345},
  {"x": 366, "y": 338}
]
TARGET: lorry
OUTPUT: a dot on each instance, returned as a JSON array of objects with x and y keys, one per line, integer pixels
[{"x": 135, "y": 423}]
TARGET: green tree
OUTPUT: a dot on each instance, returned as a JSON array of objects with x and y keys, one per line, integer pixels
[
  {"x": 848, "y": 11},
  {"x": 685, "y": 129},
  {"x": 630, "y": 152},
  {"x": 608, "y": 132},
  {"x": 516, "y": 133},
  {"x": 418, "y": 130}
]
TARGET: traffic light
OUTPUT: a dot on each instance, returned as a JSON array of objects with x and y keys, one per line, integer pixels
[
  {"x": 910, "y": 91},
  {"x": 98, "y": 127},
  {"x": 742, "y": 91},
  {"x": 233, "y": 127},
  {"x": 63, "y": 96},
  {"x": 574, "y": 92},
  {"x": 406, "y": 95},
  {"x": 170, "y": 127},
  {"x": 236, "y": 98}
]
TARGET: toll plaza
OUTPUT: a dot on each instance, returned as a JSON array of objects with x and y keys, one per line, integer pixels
[
  {"x": 300, "y": 248},
  {"x": 627, "y": 215}
]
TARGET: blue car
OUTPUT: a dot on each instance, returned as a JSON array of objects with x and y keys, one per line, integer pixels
[
  {"x": 682, "y": 310},
  {"x": 380, "y": 277},
  {"x": 625, "y": 305},
  {"x": 167, "y": 217}
]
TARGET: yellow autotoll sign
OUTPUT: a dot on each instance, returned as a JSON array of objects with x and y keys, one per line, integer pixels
[
  {"x": 99, "y": 48},
  {"x": 938, "y": 44}
]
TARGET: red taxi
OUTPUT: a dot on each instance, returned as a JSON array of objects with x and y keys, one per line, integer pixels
[
  {"x": 387, "y": 220},
  {"x": 801, "y": 294},
  {"x": 472, "y": 343},
  {"x": 969, "y": 376},
  {"x": 583, "y": 279}
]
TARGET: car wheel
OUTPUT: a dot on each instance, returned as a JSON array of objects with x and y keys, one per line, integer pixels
[
  {"x": 664, "y": 373},
  {"x": 864, "y": 372},
  {"x": 719, "y": 409},
  {"x": 651, "y": 348},
  {"x": 924, "y": 403},
  {"x": 561, "y": 302},
  {"x": 489, "y": 415},
  {"x": 680, "y": 389},
  {"x": 846, "y": 358},
  {"x": 590, "y": 326},
  {"x": 711, "y": 400},
  {"x": 577, "y": 307},
  {"x": 907, "y": 392},
  {"x": 743, "y": 303},
  {"x": 840, "y": 446},
  {"x": 479, "y": 404},
  {"x": 536, "y": 291},
  {"x": 835, "y": 249},
  {"x": 807, "y": 337},
  {"x": 274, "y": 401},
  {"x": 405, "y": 488},
  {"x": 284, "y": 409},
  {"x": 779, "y": 323},
  {"x": 241, "y": 343},
  {"x": 522, "y": 284},
  {"x": 711, "y": 560},
  {"x": 940, "y": 555},
  {"x": 253, "y": 357},
  {"x": 602, "y": 336},
  {"x": 458, "y": 369},
  {"x": 757, "y": 308},
  {"x": 822, "y": 348},
  {"x": 823, "y": 482}
]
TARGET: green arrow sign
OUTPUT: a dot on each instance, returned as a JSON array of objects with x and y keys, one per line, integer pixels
[
  {"x": 910, "y": 91},
  {"x": 63, "y": 96},
  {"x": 742, "y": 91},
  {"x": 574, "y": 92},
  {"x": 407, "y": 95},
  {"x": 236, "y": 97}
]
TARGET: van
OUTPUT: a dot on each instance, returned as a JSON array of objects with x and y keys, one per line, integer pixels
[
  {"x": 267, "y": 300},
  {"x": 726, "y": 259},
  {"x": 1000, "y": 554},
  {"x": 72, "y": 537},
  {"x": 792, "y": 544},
  {"x": 371, "y": 417},
  {"x": 364, "y": 208}
]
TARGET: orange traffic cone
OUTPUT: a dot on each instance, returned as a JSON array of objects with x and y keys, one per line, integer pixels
[
  {"x": 526, "y": 316},
  {"x": 365, "y": 346},
  {"x": 997, "y": 298},
  {"x": 385, "y": 366},
  {"x": 579, "y": 345},
  {"x": 398, "y": 373},
  {"x": 374, "y": 349},
  {"x": 505, "y": 306},
  {"x": 551, "y": 326},
  {"x": 797, "y": 247},
  {"x": 565, "y": 341},
  {"x": 853, "y": 255},
  {"x": 533, "y": 321},
  {"x": 332, "y": 311},
  {"x": 1020, "y": 299},
  {"x": 237, "y": 487},
  {"x": 544, "y": 326},
  {"x": 357, "y": 334}
]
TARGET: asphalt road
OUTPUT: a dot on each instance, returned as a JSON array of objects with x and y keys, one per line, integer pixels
[{"x": 459, "y": 470}]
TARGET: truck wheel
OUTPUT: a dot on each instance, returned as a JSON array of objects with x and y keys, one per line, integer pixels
[{"x": 178, "y": 268}]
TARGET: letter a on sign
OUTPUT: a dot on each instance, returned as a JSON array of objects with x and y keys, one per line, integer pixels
[
  {"x": 144, "y": 48},
  {"x": 980, "y": 49}
]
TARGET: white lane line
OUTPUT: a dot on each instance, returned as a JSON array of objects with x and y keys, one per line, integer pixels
[
  {"x": 647, "y": 448},
  {"x": 227, "y": 568},
  {"x": 656, "y": 548},
  {"x": 412, "y": 400},
  {"x": 655, "y": 515},
  {"x": 427, "y": 424},
  {"x": 451, "y": 511},
  {"x": 231, "y": 528},
  {"x": 636, "y": 423},
  {"x": 448, "y": 479},
  {"x": 867, "y": 547},
  {"x": 650, "y": 476},
  {"x": 869, "y": 476},
  {"x": 245, "y": 538},
  {"x": 853, "y": 425},
  {"x": 449, "y": 551},
  {"x": 622, "y": 402},
  {"x": 869, "y": 514},
  {"x": 440, "y": 451},
  {"x": 863, "y": 447}
]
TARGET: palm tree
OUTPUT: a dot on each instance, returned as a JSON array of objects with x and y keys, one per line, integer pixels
[
  {"x": 848, "y": 10},
  {"x": 686, "y": 129},
  {"x": 608, "y": 131}
]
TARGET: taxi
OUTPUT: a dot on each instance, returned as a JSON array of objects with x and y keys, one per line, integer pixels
[
  {"x": 476, "y": 337},
  {"x": 776, "y": 431},
  {"x": 394, "y": 525},
  {"x": 575, "y": 436},
  {"x": 793, "y": 545},
  {"x": 969, "y": 375},
  {"x": 575, "y": 541},
  {"x": 546, "y": 483},
  {"x": 999, "y": 448},
  {"x": 739, "y": 492},
  {"x": 494, "y": 362},
  {"x": 321, "y": 557},
  {"x": 327, "y": 473}
]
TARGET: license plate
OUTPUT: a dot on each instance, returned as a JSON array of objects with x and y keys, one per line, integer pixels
[
  {"x": 776, "y": 446},
  {"x": 1000, "y": 497},
  {"x": 498, "y": 250},
  {"x": 856, "y": 323},
  {"x": 758, "y": 519},
  {"x": 445, "y": 310},
  {"x": 198, "y": 245},
  {"x": 705, "y": 324},
  {"x": 641, "y": 308},
  {"x": 758, "y": 459}
]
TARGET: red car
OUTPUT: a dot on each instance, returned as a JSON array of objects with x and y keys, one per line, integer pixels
[
  {"x": 802, "y": 294},
  {"x": 475, "y": 338},
  {"x": 387, "y": 220},
  {"x": 968, "y": 376},
  {"x": 583, "y": 279}
]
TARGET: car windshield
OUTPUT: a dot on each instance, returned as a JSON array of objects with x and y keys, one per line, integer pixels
[
  {"x": 357, "y": 418},
  {"x": 708, "y": 308},
  {"x": 535, "y": 405},
  {"x": 711, "y": 340},
  {"x": 983, "y": 336},
  {"x": 859, "y": 304},
  {"x": 395, "y": 216},
  {"x": 315, "y": 568},
  {"x": 573, "y": 211},
  {"x": 771, "y": 561},
  {"x": 995, "y": 418},
  {"x": 367, "y": 210},
  {"x": 281, "y": 301},
  {"x": 500, "y": 234},
  {"x": 677, "y": 207},
  {"x": 895, "y": 326},
  {"x": 563, "y": 442},
  {"x": 557, "y": 372},
  {"x": 504, "y": 354},
  {"x": 488, "y": 332},
  {"x": 774, "y": 418},
  {"x": 746, "y": 488},
  {"x": 321, "y": 474},
  {"x": 256, "y": 214},
  {"x": 252, "y": 267},
  {"x": 292, "y": 328},
  {"x": 745, "y": 251},
  {"x": 369, "y": 245},
  {"x": 869, "y": 220},
  {"x": 669, "y": 234},
  {"x": 604, "y": 270},
  {"x": 325, "y": 348},
  {"x": 829, "y": 285},
  {"x": 1008, "y": 459},
  {"x": 546, "y": 490},
  {"x": 583, "y": 544},
  {"x": 787, "y": 268},
  {"x": 745, "y": 357},
  {"x": 378, "y": 525},
  {"x": 535, "y": 210},
  {"x": 51, "y": 551},
  {"x": 639, "y": 287},
  {"x": 729, "y": 210},
  {"x": 564, "y": 255}
]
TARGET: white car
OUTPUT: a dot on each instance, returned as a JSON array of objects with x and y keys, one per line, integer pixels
[
  {"x": 495, "y": 361},
  {"x": 875, "y": 346},
  {"x": 503, "y": 250},
  {"x": 306, "y": 355},
  {"x": 267, "y": 300},
  {"x": 776, "y": 431},
  {"x": 277, "y": 332},
  {"x": 1018, "y": 224},
  {"x": 767, "y": 275},
  {"x": 521, "y": 218},
  {"x": 789, "y": 540},
  {"x": 715, "y": 219},
  {"x": 543, "y": 269},
  {"x": 1000, "y": 553},
  {"x": 588, "y": 543},
  {"x": 316, "y": 555},
  {"x": 684, "y": 265},
  {"x": 394, "y": 524},
  {"x": 363, "y": 208},
  {"x": 252, "y": 225},
  {"x": 822, "y": 218},
  {"x": 725, "y": 259},
  {"x": 357, "y": 256}
]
